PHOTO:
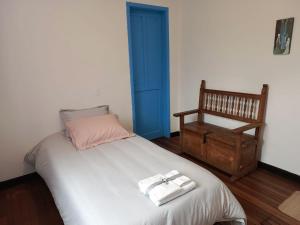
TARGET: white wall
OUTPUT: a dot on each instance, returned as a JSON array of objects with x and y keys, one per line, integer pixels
[
  {"x": 63, "y": 54},
  {"x": 230, "y": 44},
  {"x": 73, "y": 54}
]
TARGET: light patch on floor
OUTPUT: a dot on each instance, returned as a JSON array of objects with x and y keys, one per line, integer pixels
[{"x": 291, "y": 206}]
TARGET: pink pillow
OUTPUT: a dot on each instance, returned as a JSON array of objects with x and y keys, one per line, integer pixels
[{"x": 91, "y": 131}]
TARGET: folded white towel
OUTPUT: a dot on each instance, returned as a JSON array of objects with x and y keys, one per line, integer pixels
[
  {"x": 162, "y": 198},
  {"x": 172, "y": 174},
  {"x": 164, "y": 188},
  {"x": 182, "y": 180},
  {"x": 163, "y": 191},
  {"x": 147, "y": 184},
  {"x": 150, "y": 182}
]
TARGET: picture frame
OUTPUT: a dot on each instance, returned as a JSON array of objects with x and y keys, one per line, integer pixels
[{"x": 283, "y": 36}]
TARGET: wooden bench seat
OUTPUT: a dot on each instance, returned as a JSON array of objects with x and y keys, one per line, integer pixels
[
  {"x": 232, "y": 151},
  {"x": 227, "y": 137},
  {"x": 216, "y": 132},
  {"x": 201, "y": 128}
]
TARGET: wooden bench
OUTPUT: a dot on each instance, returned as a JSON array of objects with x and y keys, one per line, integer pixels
[{"x": 231, "y": 151}]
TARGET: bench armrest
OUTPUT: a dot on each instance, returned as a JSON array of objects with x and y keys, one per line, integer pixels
[
  {"x": 250, "y": 126},
  {"x": 186, "y": 112}
]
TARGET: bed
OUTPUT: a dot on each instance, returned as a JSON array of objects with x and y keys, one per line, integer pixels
[{"x": 99, "y": 186}]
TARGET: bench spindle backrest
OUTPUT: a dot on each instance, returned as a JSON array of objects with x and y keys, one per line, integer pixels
[{"x": 233, "y": 105}]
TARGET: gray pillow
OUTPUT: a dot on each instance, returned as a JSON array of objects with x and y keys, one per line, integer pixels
[{"x": 72, "y": 114}]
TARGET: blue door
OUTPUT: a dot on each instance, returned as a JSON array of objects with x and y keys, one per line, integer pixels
[{"x": 149, "y": 64}]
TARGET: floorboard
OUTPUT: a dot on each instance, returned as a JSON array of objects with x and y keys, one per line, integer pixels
[{"x": 260, "y": 193}]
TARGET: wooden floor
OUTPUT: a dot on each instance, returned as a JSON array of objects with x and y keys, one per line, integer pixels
[{"x": 30, "y": 202}]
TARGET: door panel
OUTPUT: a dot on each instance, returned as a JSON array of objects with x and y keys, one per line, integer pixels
[
  {"x": 149, "y": 118},
  {"x": 139, "y": 73},
  {"x": 154, "y": 51},
  {"x": 148, "y": 70}
]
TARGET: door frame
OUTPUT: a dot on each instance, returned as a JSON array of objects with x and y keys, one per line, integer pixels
[{"x": 166, "y": 64}]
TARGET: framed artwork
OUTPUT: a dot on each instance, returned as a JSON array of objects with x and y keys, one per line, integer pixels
[{"x": 283, "y": 36}]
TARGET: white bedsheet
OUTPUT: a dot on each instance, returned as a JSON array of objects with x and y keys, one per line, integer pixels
[{"x": 99, "y": 186}]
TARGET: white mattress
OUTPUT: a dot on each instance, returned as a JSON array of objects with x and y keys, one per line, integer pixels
[{"x": 99, "y": 186}]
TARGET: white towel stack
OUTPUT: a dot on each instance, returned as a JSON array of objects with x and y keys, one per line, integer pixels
[
  {"x": 164, "y": 188},
  {"x": 150, "y": 182}
]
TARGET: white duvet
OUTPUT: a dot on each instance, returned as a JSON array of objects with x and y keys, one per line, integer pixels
[{"x": 99, "y": 186}]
